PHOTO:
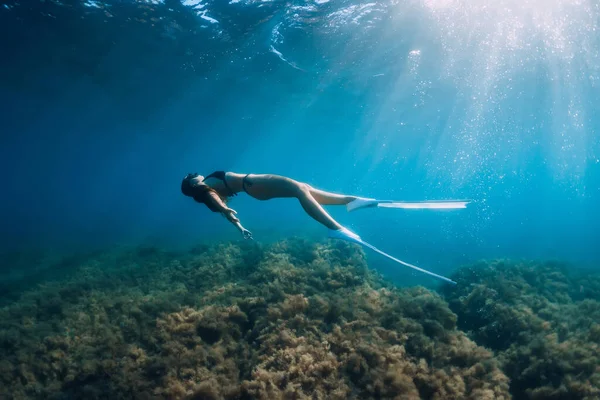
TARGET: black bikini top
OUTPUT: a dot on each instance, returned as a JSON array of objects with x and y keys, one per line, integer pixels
[{"x": 221, "y": 176}]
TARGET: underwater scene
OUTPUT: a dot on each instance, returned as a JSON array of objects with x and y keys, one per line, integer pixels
[{"x": 300, "y": 199}]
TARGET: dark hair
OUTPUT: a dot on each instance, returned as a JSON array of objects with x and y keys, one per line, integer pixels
[{"x": 199, "y": 192}]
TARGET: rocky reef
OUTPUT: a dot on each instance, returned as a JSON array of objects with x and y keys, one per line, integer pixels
[
  {"x": 297, "y": 320},
  {"x": 541, "y": 320}
]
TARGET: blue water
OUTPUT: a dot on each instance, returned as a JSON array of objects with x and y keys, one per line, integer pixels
[{"x": 106, "y": 106}]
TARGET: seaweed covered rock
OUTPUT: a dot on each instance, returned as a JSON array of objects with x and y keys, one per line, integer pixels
[
  {"x": 294, "y": 320},
  {"x": 541, "y": 319}
]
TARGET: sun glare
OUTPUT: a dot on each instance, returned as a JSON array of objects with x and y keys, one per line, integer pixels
[{"x": 488, "y": 48}]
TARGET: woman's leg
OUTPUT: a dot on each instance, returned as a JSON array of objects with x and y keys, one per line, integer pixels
[
  {"x": 328, "y": 198},
  {"x": 314, "y": 209},
  {"x": 265, "y": 187}
]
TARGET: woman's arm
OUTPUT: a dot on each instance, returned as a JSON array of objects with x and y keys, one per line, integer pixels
[{"x": 230, "y": 214}]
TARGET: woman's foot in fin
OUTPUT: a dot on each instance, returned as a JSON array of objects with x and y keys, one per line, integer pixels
[
  {"x": 344, "y": 234},
  {"x": 361, "y": 202}
]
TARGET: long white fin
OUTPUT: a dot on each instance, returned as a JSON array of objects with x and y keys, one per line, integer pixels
[
  {"x": 352, "y": 237},
  {"x": 414, "y": 205},
  {"x": 424, "y": 205}
]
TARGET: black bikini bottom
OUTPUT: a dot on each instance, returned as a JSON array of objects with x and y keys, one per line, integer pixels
[{"x": 245, "y": 182}]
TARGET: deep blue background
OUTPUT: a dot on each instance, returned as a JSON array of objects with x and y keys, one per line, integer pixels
[{"x": 105, "y": 109}]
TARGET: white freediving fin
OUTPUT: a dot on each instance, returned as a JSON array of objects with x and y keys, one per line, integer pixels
[
  {"x": 414, "y": 205},
  {"x": 423, "y": 205},
  {"x": 345, "y": 234},
  {"x": 349, "y": 236}
]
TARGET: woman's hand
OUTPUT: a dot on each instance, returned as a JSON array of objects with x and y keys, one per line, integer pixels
[
  {"x": 246, "y": 233},
  {"x": 230, "y": 214}
]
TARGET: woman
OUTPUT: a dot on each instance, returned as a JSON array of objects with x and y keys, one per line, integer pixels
[{"x": 215, "y": 189}]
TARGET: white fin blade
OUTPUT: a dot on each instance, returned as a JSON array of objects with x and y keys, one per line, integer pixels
[{"x": 425, "y": 205}]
